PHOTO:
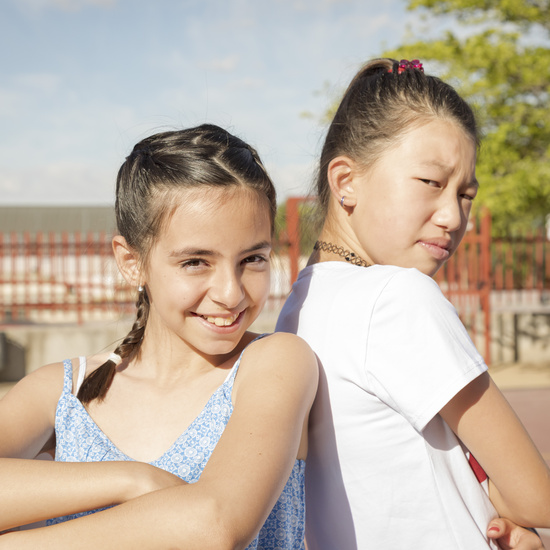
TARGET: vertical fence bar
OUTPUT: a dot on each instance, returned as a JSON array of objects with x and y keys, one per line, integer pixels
[
  {"x": 79, "y": 285},
  {"x": 485, "y": 270},
  {"x": 25, "y": 279},
  {"x": 2, "y": 279},
  {"x": 293, "y": 231}
]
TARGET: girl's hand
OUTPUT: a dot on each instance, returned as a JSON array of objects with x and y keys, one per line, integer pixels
[{"x": 510, "y": 536}]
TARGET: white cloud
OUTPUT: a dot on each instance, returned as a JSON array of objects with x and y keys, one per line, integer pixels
[
  {"x": 10, "y": 103},
  {"x": 42, "y": 83},
  {"x": 225, "y": 64}
]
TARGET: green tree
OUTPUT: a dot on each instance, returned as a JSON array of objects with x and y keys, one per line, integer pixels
[{"x": 501, "y": 64}]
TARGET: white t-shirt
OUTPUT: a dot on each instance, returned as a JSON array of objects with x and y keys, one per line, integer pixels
[{"x": 384, "y": 470}]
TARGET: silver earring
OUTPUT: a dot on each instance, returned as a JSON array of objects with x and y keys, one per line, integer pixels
[
  {"x": 140, "y": 288},
  {"x": 342, "y": 201}
]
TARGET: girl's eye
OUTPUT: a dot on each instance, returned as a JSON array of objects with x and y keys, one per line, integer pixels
[
  {"x": 255, "y": 259},
  {"x": 194, "y": 263},
  {"x": 431, "y": 183},
  {"x": 470, "y": 192}
]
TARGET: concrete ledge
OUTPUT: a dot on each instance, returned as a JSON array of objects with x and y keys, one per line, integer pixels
[{"x": 28, "y": 347}]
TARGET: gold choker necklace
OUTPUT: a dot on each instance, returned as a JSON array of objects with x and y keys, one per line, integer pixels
[{"x": 349, "y": 256}]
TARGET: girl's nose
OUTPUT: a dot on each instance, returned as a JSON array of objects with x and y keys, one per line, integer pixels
[
  {"x": 227, "y": 288},
  {"x": 449, "y": 213}
]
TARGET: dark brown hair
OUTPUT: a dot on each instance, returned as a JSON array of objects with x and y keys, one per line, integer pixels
[
  {"x": 157, "y": 167},
  {"x": 378, "y": 107}
]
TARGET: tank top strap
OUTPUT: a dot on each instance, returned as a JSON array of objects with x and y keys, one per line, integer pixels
[
  {"x": 233, "y": 372},
  {"x": 81, "y": 373},
  {"x": 68, "y": 375}
]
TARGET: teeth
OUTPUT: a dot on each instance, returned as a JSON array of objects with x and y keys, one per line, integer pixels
[{"x": 222, "y": 321}]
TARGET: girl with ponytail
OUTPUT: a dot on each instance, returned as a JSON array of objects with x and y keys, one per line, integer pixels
[
  {"x": 405, "y": 401},
  {"x": 192, "y": 433}
]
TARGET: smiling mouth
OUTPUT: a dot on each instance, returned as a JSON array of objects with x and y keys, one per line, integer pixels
[{"x": 221, "y": 321}]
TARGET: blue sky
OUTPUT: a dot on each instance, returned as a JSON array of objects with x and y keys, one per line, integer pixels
[{"x": 83, "y": 80}]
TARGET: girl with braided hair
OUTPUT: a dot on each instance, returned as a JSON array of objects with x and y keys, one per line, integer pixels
[
  {"x": 194, "y": 427},
  {"x": 404, "y": 397}
]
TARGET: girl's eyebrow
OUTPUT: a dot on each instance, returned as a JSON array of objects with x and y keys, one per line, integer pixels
[
  {"x": 204, "y": 252},
  {"x": 446, "y": 167},
  {"x": 258, "y": 246}
]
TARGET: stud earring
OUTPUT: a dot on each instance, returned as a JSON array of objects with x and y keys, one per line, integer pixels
[
  {"x": 140, "y": 288},
  {"x": 342, "y": 201}
]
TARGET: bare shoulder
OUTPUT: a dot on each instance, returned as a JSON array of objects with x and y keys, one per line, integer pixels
[
  {"x": 282, "y": 345},
  {"x": 282, "y": 353},
  {"x": 43, "y": 380},
  {"x": 27, "y": 412},
  {"x": 283, "y": 341},
  {"x": 45, "y": 384}
]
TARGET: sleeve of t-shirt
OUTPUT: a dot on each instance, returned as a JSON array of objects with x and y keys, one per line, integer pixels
[{"x": 419, "y": 354}]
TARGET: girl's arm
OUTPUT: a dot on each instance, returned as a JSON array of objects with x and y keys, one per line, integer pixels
[
  {"x": 33, "y": 490},
  {"x": 519, "y": 478},
  {"x": 243, "y": 479}
]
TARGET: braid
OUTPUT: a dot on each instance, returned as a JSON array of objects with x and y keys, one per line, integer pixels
[{"x": 97, "y": 383}]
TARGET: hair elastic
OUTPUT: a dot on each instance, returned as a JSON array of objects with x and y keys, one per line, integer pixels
[
  {"x": 115, "y": 358},
  {"x": 405, "y": 64}
]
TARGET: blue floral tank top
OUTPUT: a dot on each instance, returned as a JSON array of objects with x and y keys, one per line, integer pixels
[{"x": 79, "y": 439}]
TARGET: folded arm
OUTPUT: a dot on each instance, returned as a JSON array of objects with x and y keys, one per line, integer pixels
[{"x": 519, "y": 478}]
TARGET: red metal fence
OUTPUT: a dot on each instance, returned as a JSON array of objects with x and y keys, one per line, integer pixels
[
  {"x": 59, "y": 277},
  {"x": 73, "y": 277}
]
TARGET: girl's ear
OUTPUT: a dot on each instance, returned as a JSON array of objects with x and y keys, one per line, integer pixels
[
  {"x": 127, "y": 261},
  {"x": 340, "y": 173}
]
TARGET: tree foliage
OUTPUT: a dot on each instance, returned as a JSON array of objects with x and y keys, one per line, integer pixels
[{"x": 501, "y": 64}]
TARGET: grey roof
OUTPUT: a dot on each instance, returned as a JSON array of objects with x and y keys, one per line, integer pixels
[{"x": 57, "y": 219}]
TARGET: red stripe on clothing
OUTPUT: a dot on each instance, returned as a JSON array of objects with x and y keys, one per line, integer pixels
[{"x": 478, "y": 470}]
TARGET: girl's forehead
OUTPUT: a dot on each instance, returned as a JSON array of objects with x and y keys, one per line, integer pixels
[
  {"x": 209, "y": 197},
  {"x": 222, "y": 210},
  {"x": 435, "y": 139}
]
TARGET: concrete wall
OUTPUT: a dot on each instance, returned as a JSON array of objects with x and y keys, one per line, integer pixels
[
  {"x": 524, "y": 337},
  {"x": 520, "y": 337},
  {"x": 28, "y": 347}
]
